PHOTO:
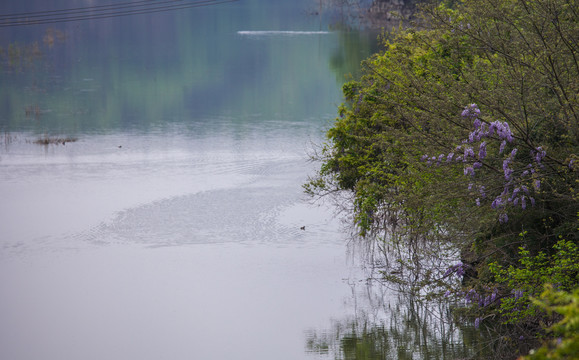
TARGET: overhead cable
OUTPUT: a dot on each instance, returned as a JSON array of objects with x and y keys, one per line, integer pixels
[{"x": 102, "y": 11}]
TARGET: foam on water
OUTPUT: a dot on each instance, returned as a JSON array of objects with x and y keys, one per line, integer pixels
[{"x": 281, "y": 33}]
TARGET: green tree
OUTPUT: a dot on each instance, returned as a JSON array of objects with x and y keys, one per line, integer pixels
[
  {"x": 457, "y": 138},
  {"x": 565, "y": 342}
]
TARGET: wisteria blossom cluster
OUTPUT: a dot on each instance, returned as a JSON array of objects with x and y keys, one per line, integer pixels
[
  {"x": 489, "y": 296},
  {"x": 473, "y": 297},
  {"x": 483, "y": 301},
  {"x": 458, "y": 270},
  {"x": 473, "y": 151},
  {"x": 518, "y": 294}
]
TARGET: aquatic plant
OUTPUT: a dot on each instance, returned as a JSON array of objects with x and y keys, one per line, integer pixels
[{"x": 54, "y": 140}]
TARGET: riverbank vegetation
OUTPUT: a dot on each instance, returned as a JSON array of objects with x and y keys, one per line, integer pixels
[
  {"x": 456, "y": 156},
  {"x": 366, "y": 14}
]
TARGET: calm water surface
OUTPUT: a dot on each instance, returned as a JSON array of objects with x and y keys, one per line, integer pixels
[{"x": 171, "y": 227}]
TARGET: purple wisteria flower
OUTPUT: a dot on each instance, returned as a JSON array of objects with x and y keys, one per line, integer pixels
[
  {"x": 483, "y": 133},
  {"x": 482, "y": 152},
  {"x": 540, "y": 154},
  {"x": 471, "y": 296},
  {"x": 468, "y": 152},
  {"x": 481, "y": 190},
  {"x": 506, "y": 132},
  {"x": 503, "y": 218},
  {"x": 502, "y": 130},
  {"x": 506, "y": 164},
  {"x": 457, "y": 269},
  {"x": 471, "y": 111},
  {"x": 502, "y": 147}
]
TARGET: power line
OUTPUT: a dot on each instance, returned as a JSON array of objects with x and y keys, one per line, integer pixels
[
  {"x": 102, "y": 11},
  {"x": 84, "y": 9}
]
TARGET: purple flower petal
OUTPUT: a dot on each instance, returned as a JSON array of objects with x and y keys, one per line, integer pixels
[
  {"x": 482, "y": 191},
  {"x": 502, "y": 147},
  {"x": 503, "y": 218},
  {"x": 505, "y": 164},
  {"x": 482, "y": 153}
]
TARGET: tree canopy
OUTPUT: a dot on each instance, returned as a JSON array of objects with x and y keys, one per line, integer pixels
[{"x": 456, "y": 151}]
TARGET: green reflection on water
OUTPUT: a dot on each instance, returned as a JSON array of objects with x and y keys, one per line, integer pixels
[
  {"x": 385, "y": 327},
  {"x": 190, "y": 66}
]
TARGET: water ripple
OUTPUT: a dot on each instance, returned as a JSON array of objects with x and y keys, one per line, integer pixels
[{"x": 246, "y": 215}]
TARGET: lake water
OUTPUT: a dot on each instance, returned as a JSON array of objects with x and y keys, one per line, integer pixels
[{"x": 171, "y": 223}]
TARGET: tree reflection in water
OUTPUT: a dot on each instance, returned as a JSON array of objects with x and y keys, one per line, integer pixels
[{"x": 384, "y": 326}]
